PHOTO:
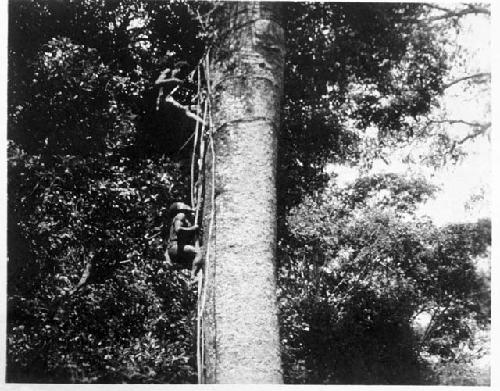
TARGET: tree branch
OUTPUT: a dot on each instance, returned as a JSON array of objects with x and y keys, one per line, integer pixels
[
  {"x": 481, "y": 75},
  {"x": 428, "y": 328},
  {"x": 85, "y": 276},
  {"x": 437, "y": 7},
  {"x": 480, "y": 125},
  {"x": 479, "y": 131},
  {"x": 471, "y": 8},
  {"x": 432, "y": 324},
  {"x": 451, "y": 13},
  {"x": 188, "y": 113}
]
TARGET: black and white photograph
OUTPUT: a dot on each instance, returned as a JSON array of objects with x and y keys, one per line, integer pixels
[{"x": 247, "y": 192}]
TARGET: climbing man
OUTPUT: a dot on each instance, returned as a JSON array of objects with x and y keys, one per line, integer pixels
[{"x": 181, "y": 252}]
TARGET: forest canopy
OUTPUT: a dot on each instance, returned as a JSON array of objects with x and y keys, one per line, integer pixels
[{"x": 94, "y": 162}]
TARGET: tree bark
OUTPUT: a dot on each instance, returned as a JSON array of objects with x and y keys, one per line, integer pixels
[{"x": 240, "y": 317}]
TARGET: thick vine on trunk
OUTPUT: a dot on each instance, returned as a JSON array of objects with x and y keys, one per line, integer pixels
[{"x": 240, "y": 317}]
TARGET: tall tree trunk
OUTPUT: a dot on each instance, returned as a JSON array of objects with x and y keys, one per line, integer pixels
[{"x": 240, "y": 315}]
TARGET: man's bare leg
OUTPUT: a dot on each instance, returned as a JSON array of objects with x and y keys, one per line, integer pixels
[{"x": 197, "y": 265}]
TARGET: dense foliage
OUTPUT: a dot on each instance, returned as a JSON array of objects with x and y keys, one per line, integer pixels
[
  {"x": 93, "y": 166},
  {"x": 360, "y": 268},
  {"x": 92, "y": 170},
  {"x": 359, "y": 66}
]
